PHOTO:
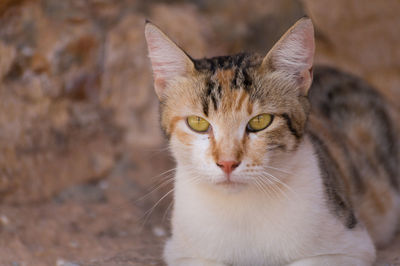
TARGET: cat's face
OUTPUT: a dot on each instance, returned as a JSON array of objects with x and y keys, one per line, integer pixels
[{"x": 230, "y": 119}]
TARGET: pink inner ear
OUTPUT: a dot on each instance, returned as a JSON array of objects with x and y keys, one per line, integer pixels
[
  {"x": 295, "y": 50},
  {"x": 159, "y": 84},
  {"x": 309, "y": 45},
  {"x": 159, "y": 75},
  {"x": 159, "y": 69},
  {"x": 294, "y": 53},
  {"x": 305, "y": 80},
  {"x": 167, "y": 59}
]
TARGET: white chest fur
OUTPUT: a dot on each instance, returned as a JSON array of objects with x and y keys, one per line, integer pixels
[{"x": 255, "y": 228}]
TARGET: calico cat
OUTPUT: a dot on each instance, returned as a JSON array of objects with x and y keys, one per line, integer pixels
[{"x": 269, "y": 170}]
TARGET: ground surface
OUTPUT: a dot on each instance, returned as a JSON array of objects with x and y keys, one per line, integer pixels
[{"x": 103, "y": 223}]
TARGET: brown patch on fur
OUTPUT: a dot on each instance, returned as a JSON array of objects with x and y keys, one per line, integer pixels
[
  {"x": 282, "y": 136},
  {"x": 241, "y": 99},
  {"x": 214, "y": 149},
  {"x": 233, "y": 151},
  {"x": 172, "y": 123},
  {"x": 379, "y": 202},
  {"x": 243, "y": 147},
  {"x": 362, "y": 135},
  {"x": 225, "y": 77},
  {"x": 184, "y": 137},
  {"x": 375, "y": 207},
  {"x": 379, "y": 196},
  {"x": 257, "y": 153},
  {"x": 249, "y": 107},
  {"x": 324, "y": 133},
  {"x": 231, "y": 98},
  {"x": 239, "y": 149}
]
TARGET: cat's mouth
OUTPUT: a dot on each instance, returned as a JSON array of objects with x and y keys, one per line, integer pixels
[
  {"x": 229, "y": 183},
  {"x": 230, "y": 186}
]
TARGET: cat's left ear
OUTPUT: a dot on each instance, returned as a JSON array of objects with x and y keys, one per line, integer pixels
[
  {"x": 293, "y": 54},
  {"x": 167, "y": 59}
]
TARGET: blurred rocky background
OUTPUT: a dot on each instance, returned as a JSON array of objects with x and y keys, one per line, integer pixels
[{"x": 81, "y": 151}]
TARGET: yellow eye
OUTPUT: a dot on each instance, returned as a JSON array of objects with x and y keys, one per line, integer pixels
[
  {"x": 259, "y": 122},
  {"x": 197, "y": 123}
]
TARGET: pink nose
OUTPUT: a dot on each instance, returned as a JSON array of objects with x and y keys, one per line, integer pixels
[{"x": 228, "y": 166}]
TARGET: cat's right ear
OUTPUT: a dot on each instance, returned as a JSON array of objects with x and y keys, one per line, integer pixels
[
  {"x": 293, "y": 54},
  {"x": 167, "y": 59}
]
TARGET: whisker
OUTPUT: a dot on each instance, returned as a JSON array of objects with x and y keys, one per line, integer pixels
[
  {"x": 147, "y": 214},
  {"x": 166, "y": 211},
  {"x": 272, "y": 185},
  {"x": 259, "y": 184},
  {"x": 155, "y": 188},
  {"x": 279, "y": 181},
  {"x": 164, "y": 173},
  {"x": 154, "y": 152},
  {"x": 278, "y": 169}
]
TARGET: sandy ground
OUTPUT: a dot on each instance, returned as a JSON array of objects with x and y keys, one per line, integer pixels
[{"x": 111, "y": 222}]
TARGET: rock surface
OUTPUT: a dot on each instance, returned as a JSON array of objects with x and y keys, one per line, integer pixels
[
  {"x": 361, "y": 38},
  {"x": 80, "y": 144}
]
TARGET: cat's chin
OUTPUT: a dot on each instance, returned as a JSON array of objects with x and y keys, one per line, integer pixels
[{"x": 230, "y": 186}]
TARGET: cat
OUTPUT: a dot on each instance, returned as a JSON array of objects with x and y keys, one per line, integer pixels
[{"x": 272, "y": 170}]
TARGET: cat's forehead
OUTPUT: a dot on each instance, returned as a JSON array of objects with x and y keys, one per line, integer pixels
[
  {"x": 228, "y": 82},
  {"x": 240, "y": 61}
]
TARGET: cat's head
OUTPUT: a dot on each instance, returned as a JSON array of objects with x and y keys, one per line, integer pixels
[{"x": 231, "y": 120}]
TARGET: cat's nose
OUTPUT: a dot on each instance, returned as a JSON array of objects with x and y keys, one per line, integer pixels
[{"x": 228, "y": 166}]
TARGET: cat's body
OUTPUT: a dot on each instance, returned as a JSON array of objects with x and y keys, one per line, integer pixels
[
  {"x": 355, "y": 135},
  {"x": 316, "y": 186}
]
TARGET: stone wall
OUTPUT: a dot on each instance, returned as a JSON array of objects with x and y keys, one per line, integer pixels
[
  {"x": 362, "y": 38},
  {"x": 76, "y": 87}
]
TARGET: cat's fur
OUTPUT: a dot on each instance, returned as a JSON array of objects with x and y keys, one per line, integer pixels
[{"x": 319, "y": 185}]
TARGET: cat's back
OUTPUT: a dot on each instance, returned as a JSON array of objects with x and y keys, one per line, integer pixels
[{"x": 355, "y": 136}]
